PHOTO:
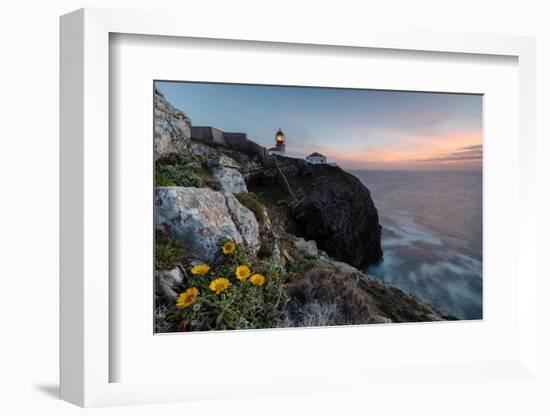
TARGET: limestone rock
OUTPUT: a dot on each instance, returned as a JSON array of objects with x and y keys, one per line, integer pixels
[
  {"x": 202, "y": 150},
  {"x": 223, "y": 161},
  {"x": 307, "y": 248},
  {"x": 248, "y": 164},
  {"x": 230, "y": 180},
  {"x": 245, "y": 221},
  {"x": 199, "y": 217},
  {"x": 174, "y": 277},
  {"x": 168, "y": 283},
  {"x": 343, "y": 267},
  {"x": 172, "y": 129},
  {"x": 226, "y": 171},
  {"x": 202, "y": 218}
]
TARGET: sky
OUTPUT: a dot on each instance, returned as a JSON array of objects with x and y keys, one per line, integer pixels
[{"x": 355, "y": 128}]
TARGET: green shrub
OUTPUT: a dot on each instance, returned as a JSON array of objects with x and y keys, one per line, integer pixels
[
  {"x": 162, "y": 180},
  {"x": 265, "y": 251},
  {"x": 172, "y": 159},
  {"x": 296, "y": 263},
  {"x": 168, "y": 253},
  {"x": 176, "y": 170},
  {"x": 177, "y": 175},
  {"x": 250, "y": 200},
  {"x": 270, "y": 195}
]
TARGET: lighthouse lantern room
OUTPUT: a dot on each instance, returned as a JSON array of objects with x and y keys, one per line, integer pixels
[{"x": 280, "y": 144}]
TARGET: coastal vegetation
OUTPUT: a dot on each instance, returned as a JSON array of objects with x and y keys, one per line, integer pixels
[
  {"x": 179, "y": 170},
  {"x": 235, "y": 293}
]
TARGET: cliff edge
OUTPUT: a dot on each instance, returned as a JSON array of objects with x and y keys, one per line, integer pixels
[{"x": 324, "y": 204}]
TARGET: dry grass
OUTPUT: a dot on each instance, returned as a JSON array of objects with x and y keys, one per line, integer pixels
[
  {"x": 324, "y": 297},
  {"x": 317, "y": 314}
]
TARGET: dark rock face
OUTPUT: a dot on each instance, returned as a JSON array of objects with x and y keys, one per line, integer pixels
[
  {"x": 332, "y": 207},
  {"x": 336, "y": 210}
]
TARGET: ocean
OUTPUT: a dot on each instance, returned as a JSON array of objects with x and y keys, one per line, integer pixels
[{"x": 431, "y": 235}]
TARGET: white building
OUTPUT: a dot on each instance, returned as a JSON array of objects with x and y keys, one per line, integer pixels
[{"x": 316, "y": 158}]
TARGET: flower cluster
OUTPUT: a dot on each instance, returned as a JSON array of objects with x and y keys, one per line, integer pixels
[
  {"x": 218, "y": 284},
  {"x": 237, "y": 290}
]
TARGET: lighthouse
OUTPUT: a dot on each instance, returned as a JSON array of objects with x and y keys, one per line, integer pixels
[{"x": 280, "y": 144}]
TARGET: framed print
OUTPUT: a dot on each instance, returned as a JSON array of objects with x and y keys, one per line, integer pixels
[{"x": 269, "y": 208}]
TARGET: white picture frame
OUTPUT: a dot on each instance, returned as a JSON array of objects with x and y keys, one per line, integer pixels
[{"x": 86, "y": 356}]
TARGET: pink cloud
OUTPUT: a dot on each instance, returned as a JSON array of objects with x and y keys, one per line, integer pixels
[{"x": 393, "y": 150}]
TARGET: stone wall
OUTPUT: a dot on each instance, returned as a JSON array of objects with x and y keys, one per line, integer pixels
[
  {"x": 207, "y": 133},
  {"x": 239, "y": 141},
  {"x": 233, "y": 137}
]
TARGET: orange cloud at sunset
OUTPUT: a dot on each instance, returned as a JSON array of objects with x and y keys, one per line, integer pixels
[{"x": 455, "y": 150}]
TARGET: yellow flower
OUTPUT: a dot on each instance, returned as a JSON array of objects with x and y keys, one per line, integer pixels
[
  {"x": 257, "y": 279},
  {"x": 187, "y": 298},
  {"x": 229, "y": 247},
  {"x": 200, "y": 269},
  {"x": 219, "y": 285},
  {"x": 242, "y": 272}
]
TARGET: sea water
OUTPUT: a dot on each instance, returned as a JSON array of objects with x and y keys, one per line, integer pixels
[{"x": 431, "y": 235}]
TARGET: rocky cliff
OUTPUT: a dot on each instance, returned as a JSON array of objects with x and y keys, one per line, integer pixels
[
  {"x": 172, "y": 128},
  {"x": 307, "y": 225},
  {"x": 324, "y": 204}
]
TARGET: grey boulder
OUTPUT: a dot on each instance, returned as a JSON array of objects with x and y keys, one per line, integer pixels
[
  {"x": 307, "y": 248},
  {"x": 202, "y": 219},
  {"x": 230, "y": 180}
]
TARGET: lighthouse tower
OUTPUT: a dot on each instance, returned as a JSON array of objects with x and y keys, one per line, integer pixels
[{"x": 280, "y": 144}]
